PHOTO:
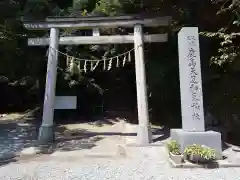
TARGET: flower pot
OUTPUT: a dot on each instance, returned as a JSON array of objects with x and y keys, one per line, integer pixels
[
  {"x": 176, "y": 158},
  {"x": 197, "y": 159}
]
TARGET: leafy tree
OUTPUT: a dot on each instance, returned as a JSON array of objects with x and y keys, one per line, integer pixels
[{"x": 218, "y": 22}]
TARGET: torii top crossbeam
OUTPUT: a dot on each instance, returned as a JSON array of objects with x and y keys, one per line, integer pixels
[
  {"x": 98, "y": 22},
  {"x": 93, "y": 22}
]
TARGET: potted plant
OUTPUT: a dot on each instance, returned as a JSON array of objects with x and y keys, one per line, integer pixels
[
  {"x": 199, "y": 154},
  {"x": 174, "y": 152}
]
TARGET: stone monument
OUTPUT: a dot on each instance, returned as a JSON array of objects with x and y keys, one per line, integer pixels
[{"x": 193, "y": 125}]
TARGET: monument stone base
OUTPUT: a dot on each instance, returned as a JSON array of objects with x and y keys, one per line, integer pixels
[{"x": 211, "y": 139}]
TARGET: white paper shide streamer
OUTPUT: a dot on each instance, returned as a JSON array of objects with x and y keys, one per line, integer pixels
[
  {"x": 74, "y": 64},
  {"x": 104, "y": 64},
  {"x": 79, "y": 66},
  {"x": 129, "y": 56},
  {"x": 110, "y": 65},
  {"x": 91, "y": 65},
  {"x": 124, "y": 60},
  {"x": 85, "y": 66},
  {"x": 96, "y": 65},
  {"x": 117, "y": 64}
]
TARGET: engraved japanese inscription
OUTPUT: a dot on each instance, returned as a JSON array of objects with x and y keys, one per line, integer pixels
[
  {"x": 190, "y": 80},
  {"x": 194, "y": 84}
]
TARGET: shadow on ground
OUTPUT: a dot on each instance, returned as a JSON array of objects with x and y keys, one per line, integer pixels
[
  {"x": 16, "y": 135},
  {"x": 8, "y": 161},
  {"x": 161, "y": 133},
  {"x": 164, "y": 132}
]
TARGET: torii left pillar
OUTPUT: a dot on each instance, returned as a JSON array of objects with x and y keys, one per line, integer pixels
[
  {"x": 46, "y": 131},
  {"x": 144, "y": 134}
]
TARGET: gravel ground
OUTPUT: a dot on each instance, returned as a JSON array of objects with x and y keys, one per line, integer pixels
[
  {"x": 103, "y": 169},
  {"x": 147, "y": 164}
]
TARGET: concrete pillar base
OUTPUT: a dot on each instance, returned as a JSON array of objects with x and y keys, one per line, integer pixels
[
  {"x": 144, "y": 134},
  {"x": 46, "y": 134}
]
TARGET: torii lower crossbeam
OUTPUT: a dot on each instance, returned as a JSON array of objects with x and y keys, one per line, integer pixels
[{"x": 120, "y": 39}]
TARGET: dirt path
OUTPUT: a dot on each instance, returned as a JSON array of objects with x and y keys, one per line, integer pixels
[
  {"x": 101, "y": 137},
  {"x": 15, "y": 134},
  {"x": 98, "y": 137}
]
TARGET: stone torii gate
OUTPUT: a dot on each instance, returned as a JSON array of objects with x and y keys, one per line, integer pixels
[{"x": 46, "y": 132}]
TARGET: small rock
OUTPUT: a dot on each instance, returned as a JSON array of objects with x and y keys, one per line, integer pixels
[
  {"x": 30, "y": 151},
  {"x": 121, "y": 151}
]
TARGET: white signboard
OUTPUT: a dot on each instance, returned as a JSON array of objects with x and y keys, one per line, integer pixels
[
  {"x": 65, "y": 102},
  {"x": 190, "y": 79}
]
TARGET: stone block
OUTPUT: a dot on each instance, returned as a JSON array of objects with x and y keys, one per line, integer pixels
[
  {"x": 211, "y": 139},
  {"x": 190, "y": 80}
]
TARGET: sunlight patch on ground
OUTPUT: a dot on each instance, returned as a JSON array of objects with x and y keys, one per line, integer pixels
[
  {"x": 156, "y": 126},
  {"x": 11, "y": 116},
  {"x": 27, "y": 115},
  {"x": 93, "y": 127},
  {"x": 120, "y": 126}
]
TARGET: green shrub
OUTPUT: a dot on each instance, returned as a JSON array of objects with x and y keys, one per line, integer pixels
[
  {"x": 201, "y": 151},
  {"x": 173, "y": 147}
]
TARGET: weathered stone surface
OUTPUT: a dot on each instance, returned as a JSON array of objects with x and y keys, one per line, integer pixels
[
  {"x": 208, "y": 138},
  {"x": 190, "y": 79}
]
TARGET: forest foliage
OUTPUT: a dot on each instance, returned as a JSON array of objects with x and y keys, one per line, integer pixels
[{"x": 23, "y": 68}]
